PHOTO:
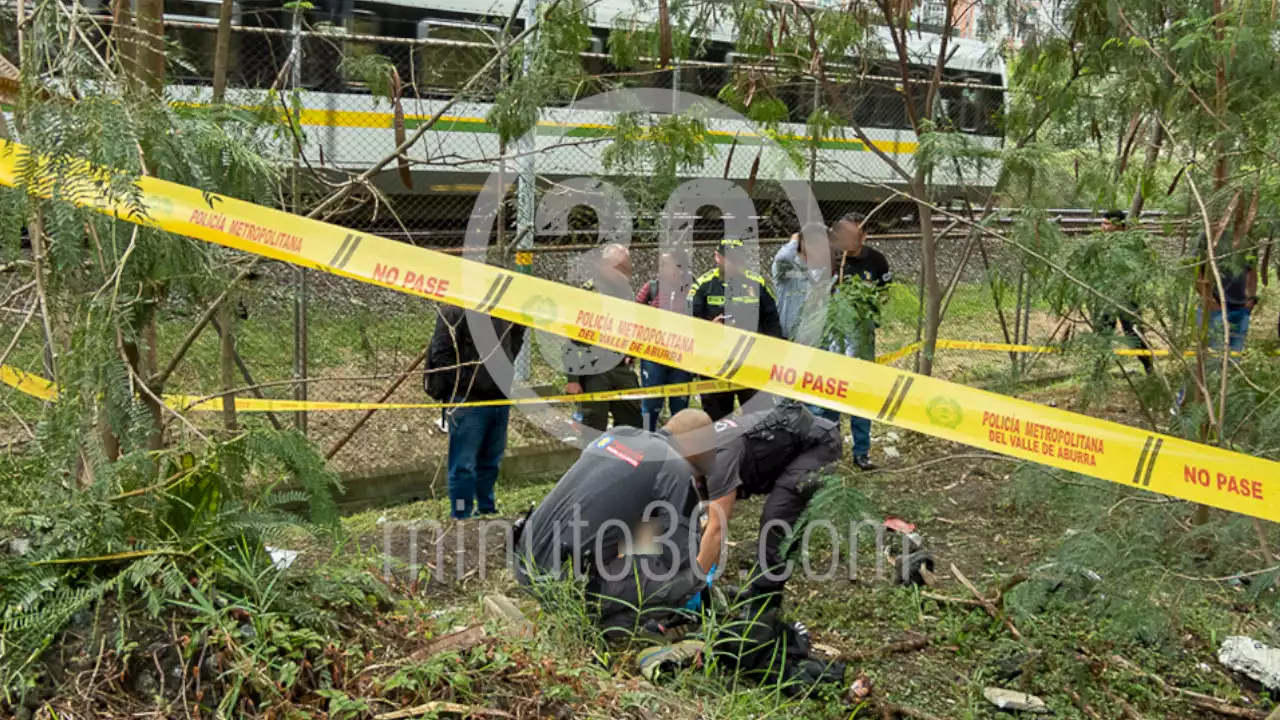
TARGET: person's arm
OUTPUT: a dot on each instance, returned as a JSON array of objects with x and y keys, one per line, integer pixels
[
  {"x": 722, "y": 490},
  {"x": 719, "y": 512},
  {"x": 770, "y": 320},
  {"x": 884, "y": 274},
  {"x": 780, "y": 263},
  {"x": 572, "y": 381},
  {"x": 443, "y": 354},
  {"x": 518, "y": 334},
  {"x": 1251, "y": 288},
  {"x": 698, "y": 300}
]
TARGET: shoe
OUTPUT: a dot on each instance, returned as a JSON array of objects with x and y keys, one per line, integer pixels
[{"x": 864, "y": 463}]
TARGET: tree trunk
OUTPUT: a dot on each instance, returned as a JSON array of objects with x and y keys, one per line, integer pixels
[
  {"x": 1201, "y": 515},
  {"x": 150, "y": 47},
  {"x": 122, "y": 31},
  {"x": 1154, "y": 143},
  {"x": 1220, "y": 98},
  {"x": 222, "y": 52},
  {"x": 929, "y": 273},
  {"x": 227, "y": 365},
  {"x": 150, "y": 363}
]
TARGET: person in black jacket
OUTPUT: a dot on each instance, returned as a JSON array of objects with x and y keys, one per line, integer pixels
[
  {"x": 731, "y": 293},
  {"x": 477, "y": 435},
  {"x": 592, "y": 369}
]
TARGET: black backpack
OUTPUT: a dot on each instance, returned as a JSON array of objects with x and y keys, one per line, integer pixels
[
  {"x": 761, "y": 646},
  {"x": 773, "y": 443}
]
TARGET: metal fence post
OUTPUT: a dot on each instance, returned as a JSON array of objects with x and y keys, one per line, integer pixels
[
  {"x": 525, "y": 207},
  {"x": 300, "y": 274}
]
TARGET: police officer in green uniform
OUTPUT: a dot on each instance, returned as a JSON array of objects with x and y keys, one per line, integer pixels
[
  {"x": 734, "y": 295},
  {"x": 591, "y": 369}
]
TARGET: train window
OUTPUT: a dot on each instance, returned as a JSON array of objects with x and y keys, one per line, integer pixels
[
  {"x": 194, "y": 62},
  {"x": 799, "y": 93},
  {"x": 877, "y": 104},
  {"x": 442, "y": 69},
  {"x": 360, "y": 23}
]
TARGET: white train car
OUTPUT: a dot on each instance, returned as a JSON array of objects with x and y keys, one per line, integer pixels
[{"x": 437, "y": 44}]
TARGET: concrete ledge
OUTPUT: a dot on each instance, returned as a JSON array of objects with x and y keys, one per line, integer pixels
[{"x": 427, "y": 478}]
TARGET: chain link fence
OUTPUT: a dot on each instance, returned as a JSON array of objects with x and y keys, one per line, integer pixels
[{"x": 348, "y": 89}]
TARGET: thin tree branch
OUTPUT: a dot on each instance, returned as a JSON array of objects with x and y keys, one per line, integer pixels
[{"x": 160, "y": 378}]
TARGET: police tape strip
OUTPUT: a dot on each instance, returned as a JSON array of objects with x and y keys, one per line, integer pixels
[
  {"x": 916, "y": 347},
  {"x": 1016, "y": 428},
  {"x": 43, "y": 389}
]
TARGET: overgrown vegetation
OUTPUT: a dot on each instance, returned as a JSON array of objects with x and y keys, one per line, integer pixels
[{"x": 138, "y": 572}]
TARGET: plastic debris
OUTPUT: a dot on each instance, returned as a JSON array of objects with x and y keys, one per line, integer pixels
[
  {"x": 1013, "y": 701},
  {"x": 280, "y": 557},
  {"x": 860, "y": 689},
  {"x": 891, "y": 452},
  {"x": 1252, "y": 659},
  {"x": 503, "y": 610}
]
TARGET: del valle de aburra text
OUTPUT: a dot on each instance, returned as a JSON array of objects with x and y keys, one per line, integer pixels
[
  {"x": 1042, "y": 439},
  {"x": 633, "y": 338}
]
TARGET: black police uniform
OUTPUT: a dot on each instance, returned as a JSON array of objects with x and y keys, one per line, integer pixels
[
  {"x": 626, "y": 477},
  {"x": 775, "y": 453},
  {"x": 599, "y": 369},
  {"x": 747, "y": 302}
]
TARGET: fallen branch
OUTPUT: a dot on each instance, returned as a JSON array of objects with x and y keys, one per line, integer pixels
[
  {"x": 1125, "y": 707},
  {"x": 950, "y": 600},
  {"x": 461, "y": 641},
  {"x": 909, "y": 645},
  {"x": 117, "y": 557},
  {"x": 1200, "y": 700},
  {"x": 986, "y": 604},
  {"x": 1080, "y": 703},
  {"x": 442, "y": 707}
]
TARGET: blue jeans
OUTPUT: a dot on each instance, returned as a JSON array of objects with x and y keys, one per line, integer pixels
[
  {"x": 477, "y": 440},
  {"x": 859, "y": 428},
  {"x": 1238, "y": 320},
  {"x": 653, "y": 374}
]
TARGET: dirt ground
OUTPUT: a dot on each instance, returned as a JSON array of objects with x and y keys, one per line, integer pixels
[{"x": 968, "y": 507}]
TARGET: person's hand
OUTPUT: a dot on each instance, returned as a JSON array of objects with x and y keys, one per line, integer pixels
[
  {"x": 719, "y": 319},
  {"x": 627, "y": 360},
  {"x": 572, "y": 388},
  {"x": 1250, "y": 304}
]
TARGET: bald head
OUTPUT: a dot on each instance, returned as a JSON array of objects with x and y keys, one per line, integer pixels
[
  {"x": 616, "y": 257},
  {"x": 687, "y": 422},
  {"x": 694, "y": 438}
]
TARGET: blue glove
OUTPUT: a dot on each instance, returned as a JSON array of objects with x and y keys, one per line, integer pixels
[{"x": 695, "y": 602}]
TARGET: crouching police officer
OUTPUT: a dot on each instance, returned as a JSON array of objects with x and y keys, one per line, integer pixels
[
  {"x": 777, "y": 453},
  {"x": 629, "y": 484}
]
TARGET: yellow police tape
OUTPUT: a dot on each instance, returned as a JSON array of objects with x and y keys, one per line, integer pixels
[
  {"x": 43, "y": 389},
  {"x": 1017, "y": 428},
  {"x": 916, "y": 347}
]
